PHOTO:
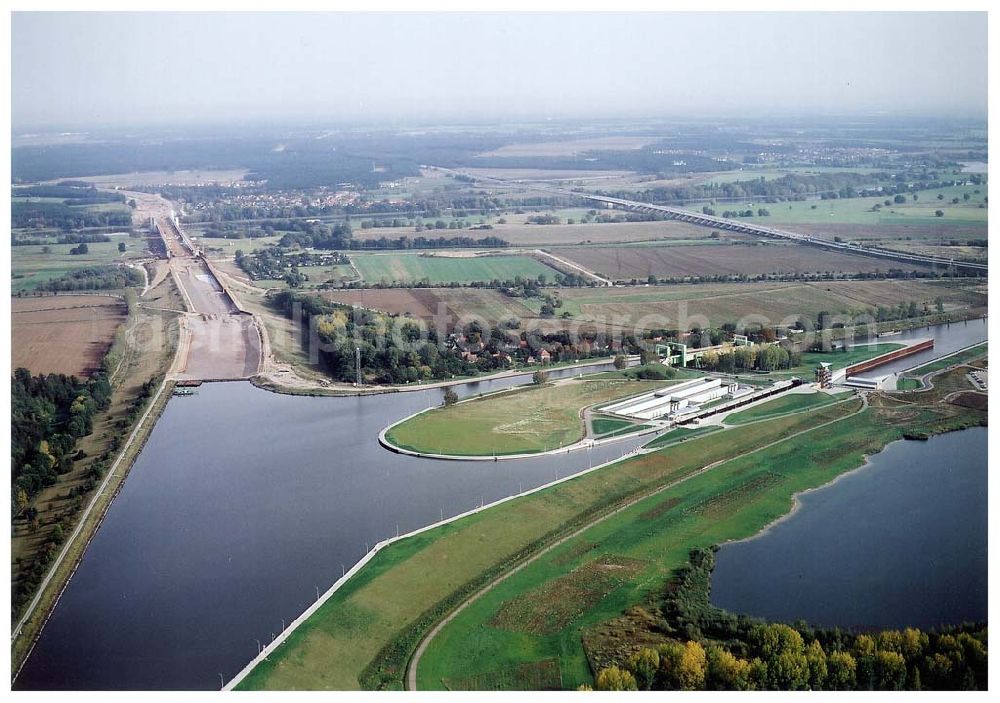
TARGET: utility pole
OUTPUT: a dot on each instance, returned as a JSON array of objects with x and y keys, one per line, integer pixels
[{"x": 357, "y": 366}]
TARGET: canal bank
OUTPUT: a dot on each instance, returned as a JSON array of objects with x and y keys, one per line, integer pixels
[
  {"x": 222, "y": 539},
  {"x": 266, "y": 501}
]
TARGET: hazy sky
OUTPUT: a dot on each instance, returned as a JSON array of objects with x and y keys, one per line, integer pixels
[{"x": 76, "y": 68}]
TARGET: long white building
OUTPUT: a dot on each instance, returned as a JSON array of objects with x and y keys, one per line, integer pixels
[{"x": 675, "y": 399}]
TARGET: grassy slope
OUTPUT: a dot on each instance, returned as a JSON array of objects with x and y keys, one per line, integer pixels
[
  {"x": 441, "y": 269},
  {"x": 603, "y": 425},
  {"x": 333, "y": 648},
  {"x": 781, "y": 405},
  {"x": 730, "y": 502},
  {"x": 543, "y": 418}
]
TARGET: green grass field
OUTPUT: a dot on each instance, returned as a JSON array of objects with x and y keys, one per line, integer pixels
[
  {"x": 524, "y": 420},
  {"x": 414, "y": 268},
  {"x": 604, "y": 425},
  {"x": 840, "y": 360},
  {"x": 229, "y": 246},
  {"x": 30, "y": 267},
  {"x": 625, "y": 560},
  {"x": 858, "y": 211},
  {"x": 789, "y": 403}
]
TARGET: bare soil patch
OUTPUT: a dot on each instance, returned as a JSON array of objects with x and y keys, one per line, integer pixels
[
  {"x": 709, "y": 260},
  {"x": 67, "y": 334}
]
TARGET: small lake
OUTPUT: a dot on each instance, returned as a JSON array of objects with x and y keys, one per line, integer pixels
[{"x": 900, "y": 542}]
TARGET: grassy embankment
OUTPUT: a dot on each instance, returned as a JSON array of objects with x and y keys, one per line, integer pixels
[
  {"x": 544, "y": 612},
  {"x": 364, "y": 635},
  {"x": 533, "y": 419},
  {"x": 789, "y": 403}
]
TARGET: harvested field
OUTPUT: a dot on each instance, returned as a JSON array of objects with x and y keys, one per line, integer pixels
[
  {"x": 608, "y": 309},
  {"x": 67, "y": 334},
  {"x": 665, "y": 306},
  {"x": 624, "y": 263}
]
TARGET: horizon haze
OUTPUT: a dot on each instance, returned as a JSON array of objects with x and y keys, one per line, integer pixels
[{"x": 84, "y": 69}]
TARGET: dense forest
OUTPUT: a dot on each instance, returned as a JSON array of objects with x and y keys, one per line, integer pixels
[
  {"x": 702, "y": 647},
  {"x": 48, "y": 414}
]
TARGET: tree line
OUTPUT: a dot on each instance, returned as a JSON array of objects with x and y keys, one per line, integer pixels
[
  {"x": 405, "y": 356},
  {"x": 705, "y": 648},
  {"x": 94, "y": 278}
]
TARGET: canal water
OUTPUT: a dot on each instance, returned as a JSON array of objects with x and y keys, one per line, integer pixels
[
  {"x": 899, "y": 542},
  {"x": 242, "y": 505},
  {"x": 947, "y": 339}
]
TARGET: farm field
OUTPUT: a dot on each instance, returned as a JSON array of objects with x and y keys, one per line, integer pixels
[
  {"x": 446, "y": 269},
  {"x": 229, "y": 246},
  {"x": 945, "y": 251},
  {"x": 533, "y": 419},
  {"x": 384, "y": 603},
  {"x": 789, "y": 403},
  {"x": 30, "y": 266},
  {"x": 625, "y": 263},
  {"x": 858, "y": 211},
  {"x": 68, "y": 334},
  {"x": 664, "y": 306}
]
